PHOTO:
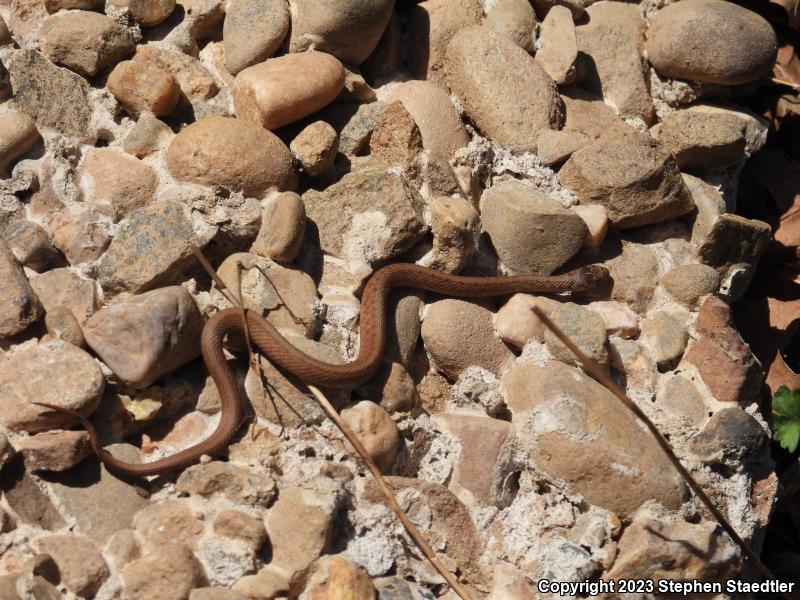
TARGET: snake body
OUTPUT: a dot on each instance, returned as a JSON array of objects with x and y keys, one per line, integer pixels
[{"x": 310, "y": 370}]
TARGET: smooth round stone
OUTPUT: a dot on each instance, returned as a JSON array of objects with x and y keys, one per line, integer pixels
[
  {"x": 18, "y": 134},
  {"x": 143, "y": 87},
  {"x": 514, "y": 18},
  {"x": 316, "y": 147},
  {"x": 253, "y": 31},
  {"x": 347, "y": 29},
  {"x": 688, "y": 283},
  {"x": 151, "y": 12},
  {"x": 231, "y": 152},
  {"x": 711, "y": 41},
  {"x": 283, "y": 90},
  {"x": 376, "y": 430}
]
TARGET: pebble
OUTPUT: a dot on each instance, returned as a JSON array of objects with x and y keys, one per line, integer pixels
[
  {"x": 454, "y": 224},
  {"x": 711, "y": 41},
  {"x": 665, "y": 334},
  {"x": 238, "y": 525},
  {"x": 54, "y": 450},
  {"x": 283, "y": 226},
  {"x": 143, "y": 87},
  {"x": 617, "y": 70},
  {"x": 579, "y": 433},
  {"x": 31, "y": 246},
  {"x": 269, "y": 582},
  {"x": 122, "y": 548},
  {"x": 19, "y": 305},
  {"x": 84, "y": 41},
  {"x": 722, "y": 357},
  {"x": 81, "y": 567},
  {"x": 430, "y": 107},
  {"x": 356, "y": 89},
  {"x": 161, "y": 523},
  {"x": 335, "y": 577},
  {"x": 701, "y": 140},
  {"x": 680, "y": 397},
  {"x": 476, "y": 65},
  {"x": 147, "y": 136},
  {"x": 588, "y": 115},
  {"x": 63, "y": 288},
  {"x": 393, "y": 388},
  {"x": 346, "y": 29},
  {"x": 554, "y": 147},
  {"x": 376, "y": 430},
  {"x": 282, "y": 90},
  {"x": 689, "y": 283},
  {"x": 147, "y": 336},
  {"x": 18, "y": 134},
  {"x": 238, "y": 484},
  {"x": 170, "y": 571},
  {"x": 730, "y": 436},
  {"x": 316, "y": 148},
  {"x": 300, "y": 525},
  {"x": 585, "y": 327},
  {"x": 152, "y": 244},
  {"x": 558, "y": 45},
  {"x": 596, "y": 218},
  {"x": 397, "y": 139},
  {"x": 483, "y": 468},
  {"x": 354, "y": 124},
  {"x": 515, "y": 19},
  {"x": 114, "y": 179},
  {"x": 532, "y": 232},
  {"x": 196, "y": 82},
  {"x": 253, "y": 31},
  {"x": 82, "y": 236},
  {"x": 370, "y": 215},
  {"x": 151, "y": 12},
  {"x": 233, "y": 153},
  {"x": 431, "y": 26},
  {"x": 709, "y": 205},
  {"x": 618, "y": 318},
  {"x": 634, "y": 177},
  {"x": 517, "y": 324},
  {"x": 459, "y": 334}
]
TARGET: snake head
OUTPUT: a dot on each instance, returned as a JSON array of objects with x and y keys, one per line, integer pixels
[{"x": 590, "y": 276}]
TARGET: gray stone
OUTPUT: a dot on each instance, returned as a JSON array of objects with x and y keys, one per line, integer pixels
[
  {"x": 585, "y": 327},
  {"x": 730, "y": 436},
  {"x": 253, "y": 31}
]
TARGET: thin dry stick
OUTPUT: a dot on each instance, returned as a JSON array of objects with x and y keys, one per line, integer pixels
[
  {"x": 595, "y": 371},
  {"x": 419, "y": 540},
  {"x": 779, "y": 81},
  {"x": 201, "y": 258}
]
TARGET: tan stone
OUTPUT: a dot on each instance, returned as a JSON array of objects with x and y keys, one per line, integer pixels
[
  {"x": 664, "y": 333},
  {"x": 216, "y": 478},
  {"x": 270, "y": 582},
  {"x": 396, "y": 138},
  {"x": 558, "y": 45},
  {"x": 619, "y": 319},
  {"x": 253, "y": 31},
  {"x": 283, "y": 90},
  {"x": 596, "y": 218},
  {"x": 54, "y": 450},
  {"x": 18, "y": 134},
  {"x": 143, "y": 87},
  {"x": 195, "y": 81},
  {"x": 31, "y": 246},
  {"x": 147, "y": 136},
  {"x": 82, "y": 236},
  {"x": 80, "y": 565},
  {"x": 283, "y": 225},
  {"x": 151, "y": 12},
  {"x": 376, "y": 430},
  {"x": 162, "y": 523},
  {"x": 583, "y": 327},
  {"x": 62, "y": 287},
  {"x": 19, "y": 305},
  {"x": 241, "y": 526},
  {"x": 517, "y": 324},
  {"x": 316, "y": 147},
  {"x": 554, "y": 147},
  {"x": 700, "y": 140},
  {"x": 589, "y": 115},
  {"x": 515, "y": 19},
  {"x": 170, "y": 571},
  {"x": 454, "y": 224},
  {"x": 689, "y": 283},
  {"x": 334, "y": 577},
  {"x": 231, "y": 152}
]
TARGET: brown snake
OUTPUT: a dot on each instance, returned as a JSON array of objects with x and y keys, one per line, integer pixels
[{"x": 284, "y": 355}]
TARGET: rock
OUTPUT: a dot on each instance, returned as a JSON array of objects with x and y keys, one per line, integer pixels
[
  {"x": 396, "y": 138},
  {"x": 216, "y": 593},
  {"x": 316, "y": 147},
  {"x": 160, "y": 524},
  {"x": 53, "y": 6},
  {"x": 238, "y": 525},
  {"x": 151, "y": 12},
  {"x": 31, "y": 247},
  {"x": 430, "y": 107},
  {"x": 224, "y": 479},
  {"x": 588, "y": 115},
  {"x": 616, "y": 71},
  {"x": 84, "y": 41},
  {"x": 55, "y": 98},
  {"x": 756, "y": 127},
  {"x": 81, "y": 236},
  {"x": 532, "y": 232},
  {"x": 632, "y": 176},
  {"x": 111, "y": 178},
  {"x": 153, "y": 244},
  {"x": 554, "y": 147},
  {"x": 584, "y": 327},
  {"x": 454, "y": 224},
  {"x": 664, "y": 334},
  {"x": 354, "y": 124},
  {"x": 375, "y": 429},
  {"x": 517, "y": 324},
  {"x": 618, "y": 318},
  {"x": 233, "y": 153},
  {"x": 558, "y": 45},
  {"x": 143, "y": 87},
  {"x": 475, "y": 66},
  {"x": 702, "y": 140},
  {"x": 195, "y": 81},
  {"x": 18, "y": 134},
  {"x": 81, "y": 567},
  {"x": 580, "y": 434},
  {"x": 689, "y": 283},
  {"x": 54, "y": 450},
  {"x": 730, "y": 436},
  {"x": 509, "y": 583},
  {"x": 596, "y": 218},
  {"x": 147, "y": 136},
  {"x": 283, "y": 225},
  {"x": 62, "y": 324},
  {"x": 356, "y": 88},
  {"x": 712, "y": 42},
  {"x": 300, "y": 526},
  {"x": 393, "y": 388},
  {"x": 371, "y": 214},
  {"x": 633, "y": 360},
  {"x": 334, "y": 577},
  {"x": 63, "y": 288},
  {"x": 459, "y": 334},
  {"x": 269, "y": 582},
  {"x": 431, "y": 26},
  {"x": 122, "y": 548},
  {"x": 170, "y": 571},
  {"x": 734, "y": 246},
  {"x": 253, "y": 31},
  {"x": 347, "y": 29},
  {"x": 19, "y": 306},
  {"x": 515, "y": 19},
  {"x": 634, "y": 274},
  {"x": 148, "y": 335},
  {"x": 722, "y": 357},
  {"x": 680, "y": 397},
  {"x": 282, "y": 90},
  {"x": 484, "y": 462}
]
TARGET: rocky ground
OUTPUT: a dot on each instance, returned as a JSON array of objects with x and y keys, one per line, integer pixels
[{"x": 313, "y": 142}]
